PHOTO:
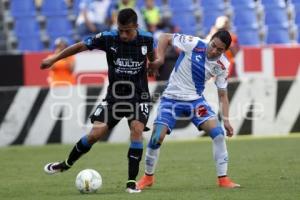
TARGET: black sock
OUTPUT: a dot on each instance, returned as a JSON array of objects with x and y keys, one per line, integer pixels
[
  {"x": 134, "y": 157},
  {"x": 78, "y": 150}
]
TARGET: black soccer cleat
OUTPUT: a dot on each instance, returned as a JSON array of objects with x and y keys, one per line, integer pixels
[
  {"x": 131, "y": 187},
  {"x": 55, "y": 167}
]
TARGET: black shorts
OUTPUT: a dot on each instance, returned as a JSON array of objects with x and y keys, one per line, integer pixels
[{"x": 112, "y": 113}]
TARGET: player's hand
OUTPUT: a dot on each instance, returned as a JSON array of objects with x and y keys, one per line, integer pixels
[
  {"x": 228, "y": 128},
  {"x": 155, "y": 64},
  {"x": 153, "y": 72},
  {"x": 153, "y": 67},
  {"x": 47, "y": 63}
]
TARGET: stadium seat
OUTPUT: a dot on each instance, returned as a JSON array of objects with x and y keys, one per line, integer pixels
[
  {"x": 248, "y": 35},
  {"x": 76, "y": 8},
  {"x": 141, "y": 3},
  {"x": 54, "y": 7},
  {"x": 209, "y": 18},
  {"x": 58, "y": 25},
  {"x": 181, "y": 5},
  {"x": 69, "y": 39},
  {"x": 28, "y": 26},
  {"x": 22, "y": 8},
  {"x": 273, "y": 2},
  {"x": 275, "y": 14},
  {"x": 186, "y": 21},
  {"x": 244, "y": 3},
  {"x": 215, "y": 4},
  {"x": 30, "y": 44},
  {"x": 245, "y": 16},
  {"x": 2, "y": 41},
  {"x": 297, "y": 11},
  {"x": 278, "y": 34}
]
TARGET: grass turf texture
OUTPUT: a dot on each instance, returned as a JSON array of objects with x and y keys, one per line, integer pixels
[{"x": 267, "y": 168}]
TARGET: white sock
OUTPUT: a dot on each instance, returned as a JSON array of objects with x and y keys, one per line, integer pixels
[
  {"x": 151, "y": 160},
  {"x": 220, "y": 155}
]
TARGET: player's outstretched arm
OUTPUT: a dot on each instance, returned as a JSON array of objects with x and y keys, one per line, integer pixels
[
  {"x": 224, "y": 104},
  {"x": 164, "y": 40},
  {"x": 153, "y": 66},
  {"x": 69, "y": 51}
]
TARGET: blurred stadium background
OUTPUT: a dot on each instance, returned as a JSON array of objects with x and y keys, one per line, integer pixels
[
  {"x": 263, "y": 92},
  {"x": 32, "y": 25},
  {"x": 264, "y": 99}
]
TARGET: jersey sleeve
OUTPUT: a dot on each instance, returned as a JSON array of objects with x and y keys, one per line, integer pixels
[
  {"x": 96, "y": 42},
  {"x": 221, "y": 80},
  {"x": 184, "y": 42}
]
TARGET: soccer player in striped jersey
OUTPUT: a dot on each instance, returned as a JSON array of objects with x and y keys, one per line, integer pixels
[{"x": 198, "y": 62}]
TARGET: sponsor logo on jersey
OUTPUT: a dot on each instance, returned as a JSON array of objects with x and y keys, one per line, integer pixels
[
  {"x": 182, "y": 38},
  {"x": 221, "y": 64},
  {"x": 198, "y": 58},
  {"x": 198, "y": 50},
  {"x": 134, "y": 157},
  {"x": 124, "y": 62},
  {"x": 114, "y": 49}
]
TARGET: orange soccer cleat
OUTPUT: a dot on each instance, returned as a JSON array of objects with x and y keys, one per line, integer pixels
[
  {"x": 145, "y": 181},
  {"x": 225, "y": 182}
]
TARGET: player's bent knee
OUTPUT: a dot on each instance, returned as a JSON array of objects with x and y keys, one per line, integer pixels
[
  {"x": 214, "y": 132},
  {"x": 95, "y": 136},
  {"x": 137, "y": 130}
]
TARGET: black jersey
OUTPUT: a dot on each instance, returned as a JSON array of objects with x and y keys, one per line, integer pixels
[{"x": 127, "y": 61}]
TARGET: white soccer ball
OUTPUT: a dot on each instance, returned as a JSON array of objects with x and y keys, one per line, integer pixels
[{"x": 88, "y": 181}]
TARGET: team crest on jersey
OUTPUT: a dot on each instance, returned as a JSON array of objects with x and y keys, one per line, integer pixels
[
  {"x": 201, "y": 111},
  {"x": 144, "y": 50},
  {"x": 190, "y": 38},
  {"x": 98, "y": 35},
  {"x": 216, "y": 70},
  {"x": 222, "y": 65}
]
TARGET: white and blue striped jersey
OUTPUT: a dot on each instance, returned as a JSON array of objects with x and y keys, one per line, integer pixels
[{"x": 193, "y": 69}]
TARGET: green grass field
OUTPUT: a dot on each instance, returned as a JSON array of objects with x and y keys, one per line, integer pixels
[{"x": 267, "y": 168}]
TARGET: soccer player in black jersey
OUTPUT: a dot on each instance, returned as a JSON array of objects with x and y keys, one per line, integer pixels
[{"x": 127, "y": 50}]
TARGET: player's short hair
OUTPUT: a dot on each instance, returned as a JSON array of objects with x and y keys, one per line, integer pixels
[
  {"x": 127, "y": 16},
  {"x": 224, "y": 36}
]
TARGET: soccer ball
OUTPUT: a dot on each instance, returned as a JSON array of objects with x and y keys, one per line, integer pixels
[{"x": 88, "y": 181}]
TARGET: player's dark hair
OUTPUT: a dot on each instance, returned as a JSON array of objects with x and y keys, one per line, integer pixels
[
  {"x": 127, "y": 16},
  {"x": 224, "y": 36}
]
